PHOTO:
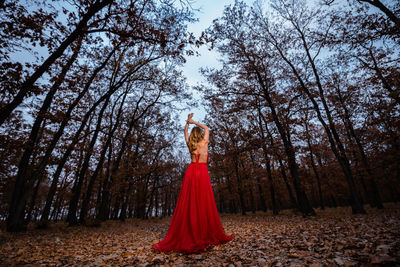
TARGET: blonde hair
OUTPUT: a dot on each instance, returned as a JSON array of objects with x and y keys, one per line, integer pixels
[{"x": 196, "y": 135}]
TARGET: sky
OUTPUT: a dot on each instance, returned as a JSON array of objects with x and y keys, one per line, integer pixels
[{"x": 209, "y": 10}]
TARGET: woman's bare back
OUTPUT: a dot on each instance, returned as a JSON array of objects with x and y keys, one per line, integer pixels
[{"x": 202, "y": 149}]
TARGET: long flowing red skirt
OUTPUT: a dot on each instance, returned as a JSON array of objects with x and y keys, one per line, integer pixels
[{"x": 195, "y": 223}]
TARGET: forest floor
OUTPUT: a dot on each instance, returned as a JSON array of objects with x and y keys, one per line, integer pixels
[{"x": 332, "y": 238}]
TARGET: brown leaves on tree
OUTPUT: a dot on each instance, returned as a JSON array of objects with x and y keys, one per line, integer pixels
[{"x": 332, "y": 238}]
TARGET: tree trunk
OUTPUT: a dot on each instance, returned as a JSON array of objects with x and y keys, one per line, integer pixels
[
  {"x": 125, "y": 200},
  {"x": 252, "y": 202},
  {"x": 275, "y": 210},
  {"x": 239, "y": 184},
  {"x": 376, "y": 198},
  {"x": 76, "y": 190},
  {"x": 262, "y": 203},
  {"x": 314, "y": 167},
  {"x": 32, "y": 203},
  {"x": 281, "y": 165},
  {"x": 302, "y": 199},
  {"x": 156, "y": 203}
]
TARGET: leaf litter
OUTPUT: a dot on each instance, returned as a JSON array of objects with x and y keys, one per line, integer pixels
[{"x": 334, "y": 237}]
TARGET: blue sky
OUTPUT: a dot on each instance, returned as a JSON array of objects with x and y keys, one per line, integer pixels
[{"x": 209, "y": 10}]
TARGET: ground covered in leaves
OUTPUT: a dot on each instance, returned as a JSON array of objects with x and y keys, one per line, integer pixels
[{"x": 332, "y": 238}]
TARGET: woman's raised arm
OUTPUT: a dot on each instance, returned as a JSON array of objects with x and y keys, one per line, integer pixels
[
  {"x": 186, "y": 132},
  {"x": 187, "y": 127}
]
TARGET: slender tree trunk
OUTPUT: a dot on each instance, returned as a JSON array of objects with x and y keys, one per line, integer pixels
[
  {"x": 260, "y": 190},
  {"x": 357, "y": 206},
  {"x": 59, "y": 169},
  {"x": 58, "y": 203},
  {"x": 32, "y": 203},
  {"x": 165, "y": 206},
  {"x": 76, "y": 191},
  {"x": 88, "y": 194},
  {"x": 98, "y": 197},
  {"x": 116, "y": 210},
  {"x": 126, "y": 194},
  {"x": 105, "y": 186},
  {"x": 314, "y": 167},
  {"x": 150, "y": 207},
  {"x": 302, "y": 199},
  {"x": 261, "y": 194},
  {"x": 376, "y": 198},
  {"x": 252, "y": 202},
  {"x": 275, "y": 210},
  {"x": 239, "y": 185},
  {"x": 141, "y": 196},
  {"x": 156, "y": 203},
  {"x": 231, "y": 200},
  {"x": 281, "y": 165},
  {"x": 37, "y": 186},
  {"x": 125, "y": 200}
]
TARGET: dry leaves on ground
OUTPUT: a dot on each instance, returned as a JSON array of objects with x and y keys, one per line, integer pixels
[{"x": 332, "y": 238}]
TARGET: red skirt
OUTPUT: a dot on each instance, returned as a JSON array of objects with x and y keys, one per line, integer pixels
[{"x": 195, "y": 223}]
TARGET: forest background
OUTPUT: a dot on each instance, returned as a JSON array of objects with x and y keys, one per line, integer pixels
[{"x": 303, "y": 107}]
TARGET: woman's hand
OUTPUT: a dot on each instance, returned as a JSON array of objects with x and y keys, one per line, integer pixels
[{"x": 189, "y": 120}]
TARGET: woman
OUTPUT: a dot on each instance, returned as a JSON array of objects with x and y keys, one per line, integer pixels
[{"x": 195, "y": 224}]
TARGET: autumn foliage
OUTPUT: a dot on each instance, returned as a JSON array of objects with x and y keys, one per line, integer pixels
[{"x": 303, "y": 110}]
